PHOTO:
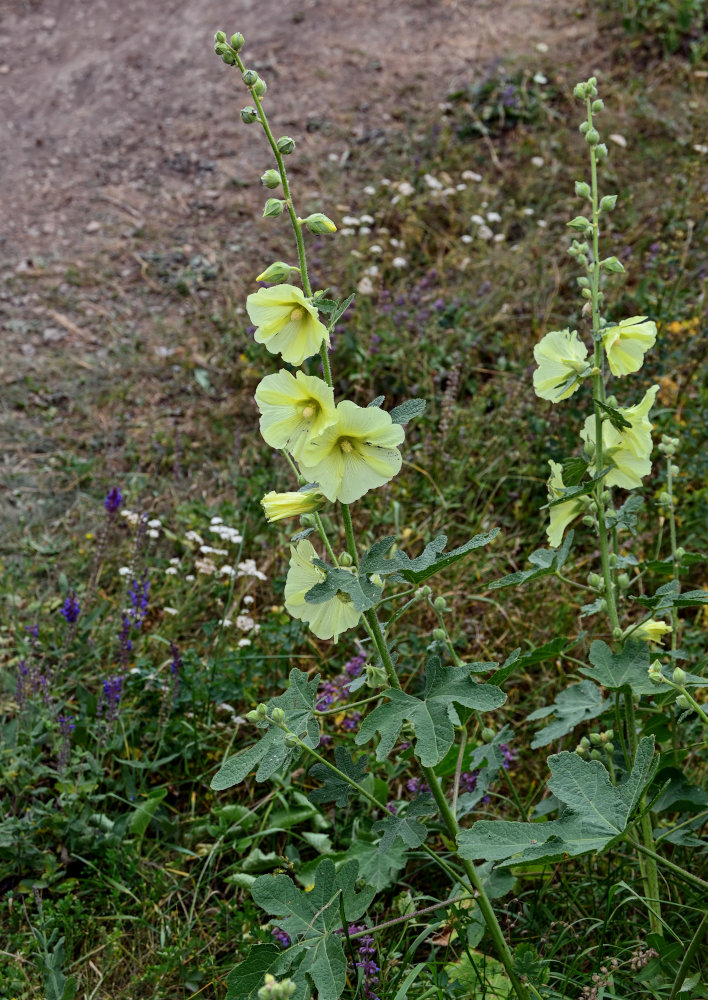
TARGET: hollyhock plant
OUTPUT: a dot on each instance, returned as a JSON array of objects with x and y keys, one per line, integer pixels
[
  {"x": 295, "y": 409},
  {"x": 327, "y": 620},
  {"x": 627, "y": 343},
  {"x": 560, "y": 356},
  {"x": 628, "y": 449},
  {"x": 281, "y": 505}
]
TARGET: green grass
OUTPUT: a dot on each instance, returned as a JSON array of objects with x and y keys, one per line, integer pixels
[{"x": 156, "y": 905}]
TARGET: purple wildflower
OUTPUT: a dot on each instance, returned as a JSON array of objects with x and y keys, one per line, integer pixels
[
  {"x": 281, "y": 937},
  {"x": 468, "y": 780},
  {"x": 110, "y": 699},
  {"x": 350, "y": 722},
  {"x": 508, "y": 755},
  {"x": 416, "y": 786},
  {"x": 325, "y": 740},
  {"x": 353, "y": 667},
  {"x": 70, "y": 609},
  {"x": 138, "y": 594},
  {"x": 368, "y": 966},
  {"x": 392, "y": 808},
  {"x": 33, "y": 630},
  {"x": 114, "y": 499}
]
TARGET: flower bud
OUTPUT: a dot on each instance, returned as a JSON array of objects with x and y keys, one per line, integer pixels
[
  {"x": 580, "y": 224},
  {"x": 612, "y": 265},
  {"x": 584, "y": 128},
  {"x": 249, "y": 115},
  {"x": 262, "y": 711},
  {"x": 588, "y": 521},
  {"x": 612, "y": 558},
  {"x": 582, "y": 189},
  {"x": 586, "y": 293},
  {"x": 345, "y": 559},
  {"x": 584, "y": 743},
  {"x": 285, "y": 145},
  {"x": 260, "y": 87},
  {"x": 683, "y": 702},
  {"x": 678, "y": 676},
  {"x": 250, "y": 77},
  {"x": 290, "y": 740},
  {"x": 595, "y": 581},
  {"x": 273, "y": 208},
  {"x": 617, "y": 632},
  {"x": 270, "y": 179},
  {"x": 674, "y": 470},
  {"x": 601, "y": 152},
  {"x": 439, "y": 634},
  {"x": 609, "y": 748},
  {"x": 228, "y": 57},
  {"x": 319, "y": 224},
  {"x": 375, "y": 676},
  {"x": 237, "y": 41},
  {"x": 595, "y": 755},
  {"x": 220, "y": 36},
  {"x": 609, "y": 734},
  {"x": 665, "y": 499},
  {"x": 680, "y": 552},
  {"x": 597, "y": 106},
  {"x": 488, "y": 734},
  {"x": 440, "y": 604},
  {"x": 579, "y": 91},
  {"x": 252, "y": 716},
  {"x": 277, "y": 273},
  {"x": 278, "y": 716},
  {"x": 596, "y": 739},
  {"x": 655, "y": 673},
  {"x": 608, "y": 202},
  {"x": 425, "y": 591},
  {"x": 623, "y": 582}
]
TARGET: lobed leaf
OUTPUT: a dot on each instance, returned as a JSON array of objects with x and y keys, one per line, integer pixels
[
  {"x": 407, "y": 826},
  {"x": 336, "y": 789},
  {"x": 575, "y": 704},
  {"x": 544, "y": 561}
]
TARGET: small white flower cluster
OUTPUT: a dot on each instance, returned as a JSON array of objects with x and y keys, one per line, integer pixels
[{"x": 225, "y": 532}]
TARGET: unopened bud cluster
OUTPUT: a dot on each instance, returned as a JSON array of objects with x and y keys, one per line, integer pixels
[
  {"x": 274, "y": 990},
  {"x": 596, "y": 746}
]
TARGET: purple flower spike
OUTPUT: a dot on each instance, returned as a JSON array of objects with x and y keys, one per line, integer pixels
[
  {"x": 70, "y": 609},
  {"x": 113, "y": 500}
]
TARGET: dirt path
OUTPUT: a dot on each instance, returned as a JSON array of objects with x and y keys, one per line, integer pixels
[{"x": 116, "y": 112}]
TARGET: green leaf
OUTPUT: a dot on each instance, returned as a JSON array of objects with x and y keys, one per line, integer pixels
[
  {"x": 407, "y": 410},
  {"x": 377, "y": 868},
  {"x": 626, "y": 516},
  {"x": 376, "y": 402},
  {"x": 312, "y": 919},
  {"x": 617, "y": 419},
  {"x": 406, "y": 826},
  {"x": 668, "y": 596},
  {"x": 432, "y": 560},
  {"x": 481, "y": 977},
  {"x": 336, "y": 789},
  {"x": 544, "y": 561},
  {"x": 518, "y": 661},
  {"x": 573, "y": 470},
  {"x": 145, "y": 810},
  {"x": 594, "y": 814},
  {"x": 617, "y": 670},
  {"x": 363, "y": 593},
  {"x": 433, "y": 716},
  {"x": 575, "y": 704},
  {"x": 270, "y": 754}
]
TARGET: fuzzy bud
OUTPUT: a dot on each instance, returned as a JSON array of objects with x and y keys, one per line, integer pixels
[
  {"x": 488, "y": 734},
  {"x": 375, "y": 676},
  {"x": 250, "y": 77},
  {"x": 290, "y": 740},
  {"x": 683, "y": 702},
  {"x": 617, "y": 633},
  {"x": 597, "y": 106},
  {"x": 608, "y": 202},
  {"x": 425, "y": 591},
  {"x": 439, "y": 634},
  {"x": 588, "y": 521},
  {"x": 612, "y": 265},
  {"x": 595, "y": 755},
  {"x": 276, "y": 273},
  {"x": 220, "y": 36},
  {"x": 584, "y": 128},
  {"x": 601, "y": 152},
  {"x": 252, "y": 716},
  {"x": 674, "y": 470},
  {"x": 236, "y": 41},
  {"x": 595, "y": 581},
  {"x": 665, "y": 499},
  {"x": 319, "y": 224},
  {"x": 260, "y": 87},
  {"x": 609, "y": 747},
  {"x": 278, "y": 716},
  {"x": 655, "y": 673},
  {"x": 285, "y": 145},
  {"x": 680, "y": 552},
  {"x": 273, "y": 208},
  {"x": 345, "y": 559},
  {"x": 582, "y": 189},
  {"x": 228, "y": 57},
  {"x": 679, "y": 676},
  {"x": 440, "y": 604},
  {"x": 270, "y": 179},
  {"x": 262, "y": 711},
  {"x": 249, "y": 115},
  {"x": 623, "y": 581},
  {"x": 584, "y": 743},
  {"x": 596, "y": 739},
  {"x": 580, "y": 224}
]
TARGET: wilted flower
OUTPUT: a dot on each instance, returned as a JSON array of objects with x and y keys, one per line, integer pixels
[
  {"x": 563, "y": 513},
  {"x": 280, "y": 505},
  {"x": 294, "y": 410},
  {"x": 628, "y": 449},
  {"x": 560, "y": 356},
  {"x": 328, "y": 619},
  {"x": 287, "y": 322},
  {"x": 627, "y": 343},
  {"x": 356, "y": 454},
  {"x": 652, "y": 630}
]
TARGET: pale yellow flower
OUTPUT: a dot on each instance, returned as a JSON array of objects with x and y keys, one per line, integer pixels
[
  {"x": 356, "y": 454},
  {"x": 627, "y": 343},
  {"x": 559, "y": 356},
  {"x": 287, "y": 322},
  {"x": 294, "y": 410},
  {"x": 330, "y": 618},
  {"x": 628, "y": 450},
  {"x": 652, "y": 630},
  {"x": 563, "y": 513},
  {"x": 280, "y": 505}
]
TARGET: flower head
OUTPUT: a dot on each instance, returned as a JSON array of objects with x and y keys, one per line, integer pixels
[
  {"x": 328, "y": 619},
  {"x": 627, "y": 343},
  {"x": 280, "y": 505},
  {"x": 628, "y": 449},
  {"x": 114, "y": 499},
  {"x": 70, "y": 609},
  {"x": 356, "y": 454},
  {"x": 295, "y": 409},
  {"x": 563, "y": 513},
  {"x": 287, "y": 322},
  {"x": 560, "y": 356}
]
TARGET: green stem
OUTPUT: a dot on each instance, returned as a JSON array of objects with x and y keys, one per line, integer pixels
[
  {"x": 647, "y": 864},
  {"x": 688, "y": 957},
  {"x": 672, "y": 535},
  {"x": 676, "y": 869},
  {"x": 349, "y": 534}
]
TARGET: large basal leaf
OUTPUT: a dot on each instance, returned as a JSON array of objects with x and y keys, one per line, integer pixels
[
  {"x": 616, "y": 670},
  {"x": 545, "y": 562},
  {"x": 433, "y": 716},
  {"x": 270, "y": 753},
  {"x": 312, "y": 919},
  {"x": 575, "y": 704},
  {"x": 594, "y": 814},
  {"x": 336, "y": 789},
  {"x": 406, "y": 826}
]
